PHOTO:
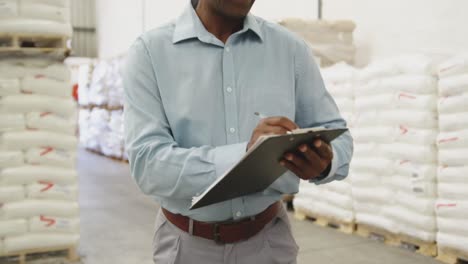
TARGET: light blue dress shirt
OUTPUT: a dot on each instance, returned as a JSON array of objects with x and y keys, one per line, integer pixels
[{"x": 190, "y": 104}]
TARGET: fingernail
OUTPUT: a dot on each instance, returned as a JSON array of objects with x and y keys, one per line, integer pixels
[
  {"x": 318, "y": 143},
  {"x": 289, "y": 157},
  {"x": 303, "y": 148}
]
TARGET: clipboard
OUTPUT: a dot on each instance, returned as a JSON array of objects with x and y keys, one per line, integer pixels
[{"x": 260, "y": 167}]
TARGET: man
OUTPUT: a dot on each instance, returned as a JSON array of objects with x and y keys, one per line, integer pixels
[{"x": 192, "y": 88}]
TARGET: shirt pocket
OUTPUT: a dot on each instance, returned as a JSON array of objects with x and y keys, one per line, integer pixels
[{"x": 276, "y": 100}]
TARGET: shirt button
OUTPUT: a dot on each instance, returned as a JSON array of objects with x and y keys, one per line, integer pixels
[
  {"x": 228, "y": 49},
  {"x": 229, "y": 89},
  {"x": 238, "y": 214},
  {"x": 232, "y": 130}
]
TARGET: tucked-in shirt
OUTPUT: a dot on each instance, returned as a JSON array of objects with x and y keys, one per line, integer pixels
[{"x": 190, "y": 101}]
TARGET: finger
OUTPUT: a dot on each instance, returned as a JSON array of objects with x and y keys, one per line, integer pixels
[
  {"x": 323, "y": 149},
  {"x": 313, "y": 158},
  {"x": 281, "y": 121},
  {"x": 276, "y": 130},
  {"x": 318, "y": 163},
  {"x": 300, "y": 162},
  {"x": 293, "y": 168}
]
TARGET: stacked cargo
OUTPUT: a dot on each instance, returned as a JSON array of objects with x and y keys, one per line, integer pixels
[
  {"x": 394, "y": 165},
  {"x": 333, "y": 200},
  {"x": 101, "y": 114},
  {"x": 38, "y": 178},
  {"x": 452, "y": 206},
  {"x": 331, "y": 41}
]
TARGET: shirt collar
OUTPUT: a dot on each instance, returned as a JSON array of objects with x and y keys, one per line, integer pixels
[{"x": 189, "y": 26}]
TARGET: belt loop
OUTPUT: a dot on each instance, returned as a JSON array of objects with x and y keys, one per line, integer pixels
[{"x": 191, "y": 226}]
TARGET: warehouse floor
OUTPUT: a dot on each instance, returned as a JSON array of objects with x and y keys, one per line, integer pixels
[{"x": 117, "y": 225}]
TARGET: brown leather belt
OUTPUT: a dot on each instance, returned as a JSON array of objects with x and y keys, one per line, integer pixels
[{"x": 225, "y": 232}]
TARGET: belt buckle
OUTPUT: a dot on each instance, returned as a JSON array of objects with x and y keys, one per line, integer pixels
[{"x": 216, "y": 234}]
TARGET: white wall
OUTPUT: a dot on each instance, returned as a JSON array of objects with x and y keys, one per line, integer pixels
[
  {"x": 388, "y": 28},
  {"x": 118, "y": 25},
  {"x": 384, "y": 27}
]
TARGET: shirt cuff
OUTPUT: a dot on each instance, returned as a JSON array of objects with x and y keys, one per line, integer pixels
[
  {"x": 322, "y": 179},
  {"x": 225, "y": 157}
]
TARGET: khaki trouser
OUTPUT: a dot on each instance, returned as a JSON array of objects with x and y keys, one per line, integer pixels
[{"x": 274, "y": 244}]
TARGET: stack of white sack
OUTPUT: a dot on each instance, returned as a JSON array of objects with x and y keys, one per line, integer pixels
[
  {"x": 112, "y": 143},
  {"x": 331, "y": 41},
  {"x": 44, "y": 17},
  {"x": 106, "y": 88},
  {"x": 38, "y": 180},
  {"x": 395, "y": 160},
  {"x": 101, "y": 116},
  {"x": 334, "y": 199},
  {"x": 452, "y": 206}
]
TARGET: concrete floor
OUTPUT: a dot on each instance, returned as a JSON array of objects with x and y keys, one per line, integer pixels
[{"x": 117, "y": 225}]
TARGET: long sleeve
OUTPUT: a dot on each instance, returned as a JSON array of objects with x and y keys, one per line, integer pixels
[
  {"x": 315, "y": 107},
  {"x": 159, "y": 166}
]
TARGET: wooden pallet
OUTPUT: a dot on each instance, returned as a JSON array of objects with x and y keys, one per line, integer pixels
[
  {"x": 33, "y": 43},
  {"x": 324, "y": 221},
  {"x": 22, "y": 257},
  {"x": 399, "y": 240},
  {"x": 452, "y": 256}
]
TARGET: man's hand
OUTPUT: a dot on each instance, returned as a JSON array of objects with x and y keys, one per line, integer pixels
[
  {"x": 271, "y": 126},
  {"x": 312, "y": 161}
]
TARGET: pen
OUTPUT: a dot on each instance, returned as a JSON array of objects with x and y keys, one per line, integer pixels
[{"x": 262, "y": 116}]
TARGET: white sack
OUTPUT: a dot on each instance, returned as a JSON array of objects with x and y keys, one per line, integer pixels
[
  {"x": 44, "y": 12},
  {"x": 344, "y": 90},
  {"x": 13, "y": 227},
  {"x": 452, "y": 226},
  {"x": 415, "y": 187},
  {"x": 35, "y": 68},
  {"x": 37, "y": 103},
  {"x": 397, "y": 100},
  {"x": 453, "y": 209},
  {"x": 453, "y": 85},
  {"x": 339, "y": 73},
  {"x": 51, "y": 157},
  {"x": 22, "y": 140},
  {"x": 9, "y": 86},
  {"x": 453, "y": 157},
  {"x": 417, "y": 84},
  {"x": 453, "y": 104},
  {"x": 10, "y": 159},
  {"x": 455, "y": 139},
  {"x": 458, "y": 174},
  {"x": 452, "y": 241},
  {"x": 40, "y": 240},
  {"x": 54, "y": 224},
  {"x": 453, "y": 190},
  {"x": 414, "y": 119},
  {"x": 33, "y": 174},
  {"x": 407, "y": 217},
  {"x": 454, "y": 66},
  {"x": 51, "y": 122},
  {"x": 323, "y": 210},
  {"x": 418, "y": 205},
  {"x": 45, "y": 86},
  {"x": 35, "y": 26},
  {"x": 31, "y": 208},
  {"x": 11, "y": 194},
  {"x": 12, "y": 122},
  {"x": 415, "y": 153},
  {"x": 52, "y": 191},
  {"x": 452, "y": 122},
  {"x": 407, "y": 63},
  {"x": 416, "y": 171},
  {"x": 378, "y": 166}
]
